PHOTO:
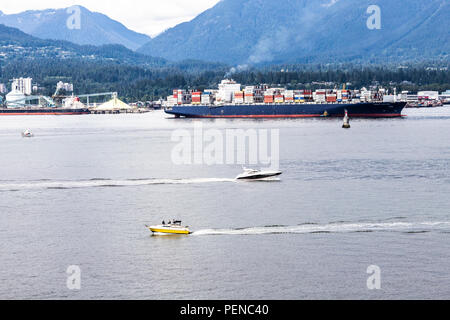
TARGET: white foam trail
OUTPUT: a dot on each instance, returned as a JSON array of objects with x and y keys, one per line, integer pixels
[
  {"x": 103, "y": 183},
  {"x": 330, "y": 228}
]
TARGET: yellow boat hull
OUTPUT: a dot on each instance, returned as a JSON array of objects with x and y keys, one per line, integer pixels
[{"x": 169, "y": 231}]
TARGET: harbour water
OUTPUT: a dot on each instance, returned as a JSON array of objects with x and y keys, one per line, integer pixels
[{"x": 81, "y": 191}]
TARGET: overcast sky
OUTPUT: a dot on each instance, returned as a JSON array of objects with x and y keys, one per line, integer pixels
[{"x": 145, "y": 16}]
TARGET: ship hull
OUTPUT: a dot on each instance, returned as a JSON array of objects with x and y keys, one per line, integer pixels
[
  {"x": 376, "y": 110},
  {"x": 42, "y": 112}
]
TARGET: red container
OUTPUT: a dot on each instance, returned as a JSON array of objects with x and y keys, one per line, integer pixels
[{"x": 268, "y": 99}]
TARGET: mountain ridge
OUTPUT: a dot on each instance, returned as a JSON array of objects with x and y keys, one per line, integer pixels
[
  {"x": 300, "y": 31},
  {"x": 17, "y": 45},
  {"x": 95, "y": 28}
]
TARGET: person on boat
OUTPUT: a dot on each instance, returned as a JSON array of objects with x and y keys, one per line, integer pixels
[
  {"x": 164, "y": 223},
  {"x": 170, "y": 222}
]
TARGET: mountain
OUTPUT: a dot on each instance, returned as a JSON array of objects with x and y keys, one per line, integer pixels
[
  {"x": 94, "y": 28},
  {"x": 16, "y": 45},
  {"x": 98, "y": 68},
  {"x": 301, "y": 31}
]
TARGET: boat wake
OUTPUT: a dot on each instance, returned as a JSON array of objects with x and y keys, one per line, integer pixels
[
  {"x": 405, "y": 227},
  {"x": 100, "y": 183}
]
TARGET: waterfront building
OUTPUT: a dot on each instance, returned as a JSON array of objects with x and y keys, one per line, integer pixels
[{"x": 22, "y": 85}]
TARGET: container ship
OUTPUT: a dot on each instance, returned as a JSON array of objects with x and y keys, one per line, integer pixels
[{"x": 230, "y": 101}]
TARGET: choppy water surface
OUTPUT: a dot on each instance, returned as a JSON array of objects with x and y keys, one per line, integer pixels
[{"x": 81, "y": 192}]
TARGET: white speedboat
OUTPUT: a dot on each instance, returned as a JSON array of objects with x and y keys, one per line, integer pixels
[
  {"x": 253, "y": 175},
  {"x": 27, "y": 134},
  {"x": 169, "y": 228}
]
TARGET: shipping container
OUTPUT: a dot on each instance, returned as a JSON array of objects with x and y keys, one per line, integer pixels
[
  {"x": 331, "y": 99},
  {"x": 268, "y": 99},
  {"x": 279, "y": 99},
  {"x": 289, "y": 93},
  {"x": 249, "y": 98},
  {"x": 206, "y": 99}
]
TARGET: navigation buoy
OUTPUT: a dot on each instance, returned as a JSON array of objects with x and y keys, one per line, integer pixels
[
  {"x": 346, "y": 124},
  {"x": 27, "y": 134}
]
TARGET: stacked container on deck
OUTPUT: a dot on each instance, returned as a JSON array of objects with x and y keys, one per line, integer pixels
[
  {"x": 331, "y": 96},
  {"x": 196, "y": 97},
  {"x": 308, "y": 95},
  {"x": 230, "y": 92},
  {"x": 207, "y": 98},
  {"x": 320, "y": 96},
  {"x": 289, "y": 96},
  {"x": 250, "y": 94},
  {"x": 279, "y": 95},
  {"x": 299, "y": 96},
  {"x": 279, "y": 98},
  {"x": 182, "y": 96},
  {"x": 259, "y": 93},
  {"x": 239, "y": 97},
  {"x": 366, "y": 95},
  {"x": 269, "y": 96},
  {"x": 345, "y": 96},
  {"x": 172, "y": 101}
]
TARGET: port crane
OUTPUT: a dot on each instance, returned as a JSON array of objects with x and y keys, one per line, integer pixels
[{"x": 56, "y": 97}]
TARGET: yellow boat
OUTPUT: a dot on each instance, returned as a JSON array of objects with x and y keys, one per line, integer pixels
[{"x": 170, "y": 228}]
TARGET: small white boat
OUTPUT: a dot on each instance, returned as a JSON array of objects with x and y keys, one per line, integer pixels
[
  {"x": 27, "y": 134},
  {"x": 170, "y": 228},
  {"x": 253, "y": 175}
]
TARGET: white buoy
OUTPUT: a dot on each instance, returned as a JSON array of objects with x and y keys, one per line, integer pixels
[
  {"x": 27, "y": 134},
  {"x": 346, "y": 124}
]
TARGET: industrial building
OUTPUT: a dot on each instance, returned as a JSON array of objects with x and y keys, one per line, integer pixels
[
  {"x": 23, "y": 85},
  {"x": 2, "y": 88}
]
